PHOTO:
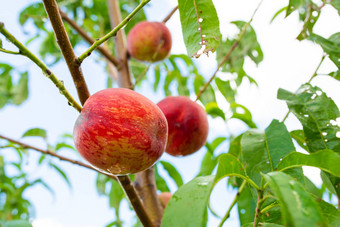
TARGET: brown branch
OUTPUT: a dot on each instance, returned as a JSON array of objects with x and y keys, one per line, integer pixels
[
  {"x": 65, "y": 46},
  {"x": 135, "y": 200},
  {"x": 146, "y": 186},
  {"x": 51, "y": 153},
  {"x": 124, "y": 76},
  {"x": 227, "y": 56},
  {"x": 170, "y": 15},
  {"x": 89, "y": 39}
]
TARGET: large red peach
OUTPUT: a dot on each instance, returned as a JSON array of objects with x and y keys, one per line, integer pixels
[
  {"x": 149, "y": 41},
  {"x": 188, "y": 125},
  {"x": 120, "y": 131}
]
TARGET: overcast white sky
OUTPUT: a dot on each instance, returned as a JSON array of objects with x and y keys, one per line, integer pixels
[{"x": 287, "y": 64}]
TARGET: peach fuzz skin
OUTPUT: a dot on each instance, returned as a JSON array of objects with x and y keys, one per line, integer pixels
[
  {"x": 187, "y": 123},
  {"x": 164, "y": 198},
  {"x": 120, "y": 131},
  {"x": 149, "y": 41}
]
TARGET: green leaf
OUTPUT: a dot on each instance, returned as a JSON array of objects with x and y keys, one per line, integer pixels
[
  {"x": 173, "y": 173},
  {"x": 226, "y": 90},
  {"x": 235, "y": 146},
  {"x": 101, "y": 182},
  {"x": 300, "y": 138},
  {"x": 329, "y": 212},
  {"x": 294, "y": 5},
  {"x": 0, "y": 43},
  {"x": 208, "y": 164},
  {"x": 331, "y": 46},
  {"x": 326, "y": 160},
  {"x": 311, "y": 188},
  {"x": 246, "y": 206},
  {"x": 38, "y": 132},
  {"x": 116, "y": 194},
  {"x": 160, "y": 182},
  {"x": 209, "y": 160},
  {"x": 278, "y": 13},
  {"x": 208, "y": 95},
  {"x": 309, "y": 15},
  {"x": 200, "y": 26},
  {"x": 17, "y": 223},
  {"x": 317, "y": 114},
  {"x": 278, "y": 141},
  {"x": 336, "y": 5},
  {"x": 229, "y": 165},
  {"x": 255, "y": 154},
  {"x": 213, "y": 110},
  {"x": 64, "y": 145},
  {"x": 19, "y": 92},
  {"x": 242, "y": 113},
  {"x": 157, "y": 74},
  {"x": 34, "y": 12},
  {"x": 297, "y": 206},
  {"x": 62, "y": 173},
  {"x": 247, "y": 47},
  {"x": 335, "y": 75},
  {"x": 189, "y": 204},
  {"x": 331, "y": 182},
  {"x": 249, "y": 44}
]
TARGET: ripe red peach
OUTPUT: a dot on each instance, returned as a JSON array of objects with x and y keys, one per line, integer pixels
[
  {"x": 187, "y": 123},
  {"x": 120, "y": 131},
  {"x": 149, "y": 41}
]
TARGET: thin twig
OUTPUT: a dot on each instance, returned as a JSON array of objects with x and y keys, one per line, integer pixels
[
  {"x": 227, "y": 56},
  {"x": 264, "y": 210},
  {"x": 310, "y": 80},
  {"x": 106, "y": 53},
  {"x": 98, "y": 42},
  {"x": 52, "y": 10},
  {"x": 140, "y": 76},
  {"x": 226, "y": 216},
  {"x": 135, "y": 200},
  {"x": 46, "y": 71},
  {"x": 9, "y": 51},
  {"x": 51, "y": 153},
  {"x": 170, "y": 15}
]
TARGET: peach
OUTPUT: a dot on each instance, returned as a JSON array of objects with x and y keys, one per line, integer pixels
[
  {"x": 164, "y": 198},
  {"x": 120, "y": 131},
  {"x": 188, "y": 125},
  {"x": 149, "y": 41}
]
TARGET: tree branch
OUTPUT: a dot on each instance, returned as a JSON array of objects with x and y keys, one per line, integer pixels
[
  {"x": 170, "y": 15},
  {"x": 89, "y": 39},
  {"x": 65, "y": 46},
  {"x": 146, "y": 186},
  {"x": 124, "y": 76},
  {"x": 46, "y": 71},
  {"x": 135, "y": 200},
  {"x": 51, "y": 153},
  {"x": 227, "y": 56},
  {"x": 98, "y": 42}
]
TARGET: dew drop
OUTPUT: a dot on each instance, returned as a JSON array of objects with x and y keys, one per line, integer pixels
[{"x": 200, "y": 20}]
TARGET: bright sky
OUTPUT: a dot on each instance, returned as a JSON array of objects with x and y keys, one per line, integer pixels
[{"x": 287, "y": 64}]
